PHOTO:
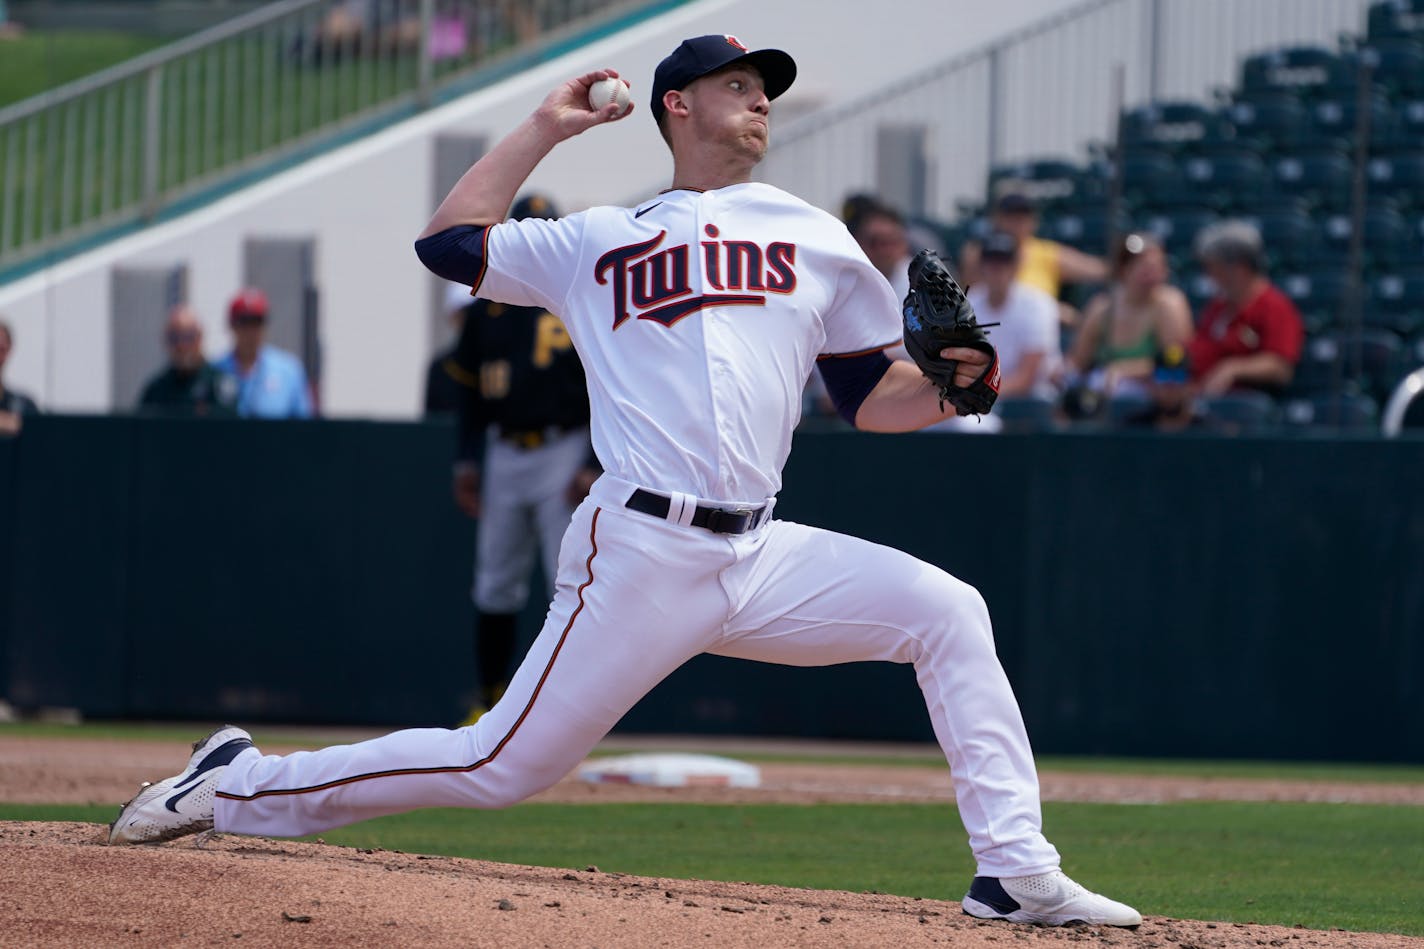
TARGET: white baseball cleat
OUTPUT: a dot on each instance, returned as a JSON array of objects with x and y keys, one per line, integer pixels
[
  {"x": 1048, "y": 899},
  {"x": 183, "y": 804}
]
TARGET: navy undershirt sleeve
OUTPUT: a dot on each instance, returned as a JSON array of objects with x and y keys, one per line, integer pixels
[
  {"x": 456, "y": 253},
  {"x": 849, "y": 379}
]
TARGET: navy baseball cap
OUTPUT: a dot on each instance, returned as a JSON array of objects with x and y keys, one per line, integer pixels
[
  {"x": 696, "y": 57},
  {"x": 999, "y": 245},
  {"x": 533, "y": 205}
]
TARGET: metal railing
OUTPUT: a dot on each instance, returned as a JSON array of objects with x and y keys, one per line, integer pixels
[
  {"x": 1046, "y": 91},
  {"x": 122, "y": 145}
]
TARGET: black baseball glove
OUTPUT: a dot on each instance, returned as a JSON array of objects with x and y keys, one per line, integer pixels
[{"x": 938, "y": 316}]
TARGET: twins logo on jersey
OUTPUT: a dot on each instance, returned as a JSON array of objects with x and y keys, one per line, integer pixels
[{"x": 656, "y": 284}]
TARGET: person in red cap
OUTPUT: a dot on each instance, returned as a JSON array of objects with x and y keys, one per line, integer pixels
[{"x": 271, "y": 382}]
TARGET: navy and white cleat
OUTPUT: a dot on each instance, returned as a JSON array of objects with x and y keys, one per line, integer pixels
[
  {"x": 183, "y": 804},
  {"x": 1047, "y": 899}
]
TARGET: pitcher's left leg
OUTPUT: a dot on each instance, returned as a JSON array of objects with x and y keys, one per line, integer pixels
[{"x": 813, "y": 597}]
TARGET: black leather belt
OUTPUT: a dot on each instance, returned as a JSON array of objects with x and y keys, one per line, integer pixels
[{"x": 718, "y": 520}]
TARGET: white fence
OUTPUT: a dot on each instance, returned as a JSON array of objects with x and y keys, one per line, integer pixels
[{"x": 1045, "y": 92}]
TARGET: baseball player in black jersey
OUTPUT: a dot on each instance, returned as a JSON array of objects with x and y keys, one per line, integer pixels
[{"x": 523, "y": 408}]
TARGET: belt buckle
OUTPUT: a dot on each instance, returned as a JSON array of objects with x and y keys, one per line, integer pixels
[
  {"x": 746, "y": 519},
  {"x": 529, "y": 440}
]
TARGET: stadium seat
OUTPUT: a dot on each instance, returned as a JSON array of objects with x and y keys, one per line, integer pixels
[
  {"x": 1224, "y": 181},
  {"x": 1388, "y": 237},
  {"x": 1322, "y": 177},
  {"x": 1396, "y": 302},
  {"x": 1390, "y": 19},
  {"x": 1289, "y": 234},
  {"x": 1349, "y": 413},
  {"x": 1047, "y": 181},
  {"x": 1177, "y": 229},
  {"x": 1240, "y": 413},
  {"x": 1269, "y": 122},
  {"x": 1303, "y": 70},
  {"x": 1171, "y": 126},
  {"x": 1084, "y": 227},
  {"x": 1333, "y": 357},
  {"x": 1334, "y": 123},
  {"x": 1321, "y": 367},
  {"x": 1323, "y": 297},
  {"x": 1414, "y": 352},
  {"x": 1025, "y": 414},
  {"x": 1395, "y": 64},
  {"x": 1399, "y": 176},
  {"x": 1198, "y": 288},
  {"x": 1149, "y": 176},
  {"x": 1409, "y": 130}
]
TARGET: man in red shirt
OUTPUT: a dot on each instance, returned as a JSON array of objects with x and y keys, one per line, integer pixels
[{"x": 1250, "y": 335}]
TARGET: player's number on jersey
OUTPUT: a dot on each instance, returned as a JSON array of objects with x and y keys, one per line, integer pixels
[{"x": 550, "y": 338}]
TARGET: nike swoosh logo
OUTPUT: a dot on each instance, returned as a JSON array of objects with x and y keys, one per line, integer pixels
[
  {"x": 638, "y": 214},
  {"x": 172, "y": 802},
  {"x": 217, "y": 758}
]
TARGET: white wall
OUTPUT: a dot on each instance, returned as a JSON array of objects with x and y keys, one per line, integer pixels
[{"x": 366, "y": 202}]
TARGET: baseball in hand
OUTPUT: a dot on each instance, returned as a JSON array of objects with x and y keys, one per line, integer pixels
[{"x": 606, "y": 92}]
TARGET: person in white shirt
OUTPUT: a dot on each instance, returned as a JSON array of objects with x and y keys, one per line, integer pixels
[{"x": 1027, "y": 334}]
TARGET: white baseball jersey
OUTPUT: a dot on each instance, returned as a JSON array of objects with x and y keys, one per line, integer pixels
[{"x": 696, "y": 331}]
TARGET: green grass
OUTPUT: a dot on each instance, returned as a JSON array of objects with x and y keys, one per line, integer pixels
[
  {"x": 1171, "y": 767},
  {"x": 1319, "y": 865},
  {"x": 39, "y": 61}
]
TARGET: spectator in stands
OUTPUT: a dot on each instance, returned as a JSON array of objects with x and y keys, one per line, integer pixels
[
  {"x": 14, "y": 406},
  {"x": 270, "y": 382},
  {"x": 1171, "y": 405},
  {"x": 189, "y": 385},
  {"x": 444, "y": 379},
  {"x": 1027, "y": 334},
  {"x": 1250, "y": 335},
  {"x": 1043, "y": 264},
  {"x": 880, "y": 231},
  {"x": 1128, "y": 324}
]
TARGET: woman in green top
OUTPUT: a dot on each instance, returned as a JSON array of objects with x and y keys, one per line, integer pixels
[{"x": 1125, "y": 326}]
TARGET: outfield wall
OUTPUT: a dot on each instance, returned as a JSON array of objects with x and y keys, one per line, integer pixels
[{"x": 1183, "y": 596}]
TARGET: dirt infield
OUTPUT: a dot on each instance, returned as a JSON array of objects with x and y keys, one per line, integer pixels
[{"x": 59, "y": 886}]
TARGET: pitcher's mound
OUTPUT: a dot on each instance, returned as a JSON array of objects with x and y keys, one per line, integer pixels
[{"x": 60, "y": 886}]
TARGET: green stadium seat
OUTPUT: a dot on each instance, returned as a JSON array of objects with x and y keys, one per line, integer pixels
[
  {"x": 1303, "y": 70},
  {"x": 1224, "y": 181},
  {"x": 1329, "y": 359},
  {"x": 1198, "y": 288},
  {"x": 1334, "y": 123},
  {"x": 1290, "y": 235},
  {"x": 1396, "y": 18},
  {"x": 1149, "y": 177},
  {"x": 1396, "y": 64},
  {"x": 1396, "y": 302},
  {"x": 1171, "y": 126},
  {"x": 1414, "y": 352},
  {"x": 1275, "y": 121},
  {"x": 1240, "y": 413},
  {"x": 1026, "y": 414},
  {"x": 1388, "y": 239},
  {"x": 1409, "y": 131},
  {"x": 1084, "y": 227},
  {"x": 1399, "y": 176},
  {"x": 1324, "y": 178},
  {"x": 1347, "y": 413},
  {"x": 1322, "y": 297},
  {"x": 1047, "y": 181},
  {"x": 1177, "y": 229}
]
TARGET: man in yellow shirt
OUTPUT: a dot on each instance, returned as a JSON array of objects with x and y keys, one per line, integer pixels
[{"x": 1044, "y": 264}]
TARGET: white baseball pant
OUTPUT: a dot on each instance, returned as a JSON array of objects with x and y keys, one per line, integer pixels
[{"x": 636, "y": 597}]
